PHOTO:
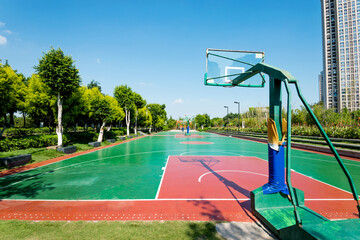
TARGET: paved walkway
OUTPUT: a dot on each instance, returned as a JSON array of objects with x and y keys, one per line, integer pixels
[{"x": 244, "y": 231}]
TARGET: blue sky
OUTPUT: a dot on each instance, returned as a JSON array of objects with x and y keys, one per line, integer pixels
[{"x": 158, "y": 47}]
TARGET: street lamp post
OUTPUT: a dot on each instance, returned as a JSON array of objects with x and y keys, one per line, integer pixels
[
  {"x": 227, "y": 116},
  {"x": 238, "y": 103}
]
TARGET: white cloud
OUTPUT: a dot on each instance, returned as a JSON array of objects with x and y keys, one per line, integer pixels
[
  {"x": 8, "y": 32},
  {"x": 3, "y": 40},
  {"x": 178, "y": 101},
  {"x": 204, "y": 100},
  {"x": 2, "y": 24},
  {"x": 98, "y": 60}
]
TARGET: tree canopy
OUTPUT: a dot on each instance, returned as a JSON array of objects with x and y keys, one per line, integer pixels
[{"x": 58, "y": 72}]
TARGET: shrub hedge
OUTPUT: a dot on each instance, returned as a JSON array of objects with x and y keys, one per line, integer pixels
[
  {"x": 351, "y": 132},
  {"x": 18, "y": 132},
  {"x": 9, "y": 144}
]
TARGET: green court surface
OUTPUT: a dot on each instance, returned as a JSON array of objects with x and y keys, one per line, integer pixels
[{"x": 133, "y": 170}]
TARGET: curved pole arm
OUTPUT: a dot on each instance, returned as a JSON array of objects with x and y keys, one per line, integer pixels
[
  {"x": 287, "y": 77},
  {"x": 288, "y": 155},
  {"x": 332, "y": 148}
]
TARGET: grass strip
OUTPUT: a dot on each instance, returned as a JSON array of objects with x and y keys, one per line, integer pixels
[{"x": 16, "y": 229}]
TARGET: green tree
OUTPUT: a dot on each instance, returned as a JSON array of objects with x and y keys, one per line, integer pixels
[
  {"x": 6, "y": 86},
  {"x": 93, "y": 84},
  {"x": 59, "y": 73},
  {"x": 144, "y": 117},
  {"x": 76, "y": 109},
  {"x": 125, "y": 97},
  {"x": 200, "y": 120},
  {"x": 88, "y": 97},
  {"x": 103, "y": 109},
  {"x": 217, "y": 122},
  {"x": 158, "y": 114},
  {"x": 39, "y": 103},
  {"x": 171, "y": 123},
  {"x": 106, "y": 109},
  {"x": 12, "y": 93},
  {"x": 298, "y": 116},
  {"x": 139, "y": 102}
]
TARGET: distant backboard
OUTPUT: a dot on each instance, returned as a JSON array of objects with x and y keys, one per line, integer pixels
[{"x": 223, "y": 66}]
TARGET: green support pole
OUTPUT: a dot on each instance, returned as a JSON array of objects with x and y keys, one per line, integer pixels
[
  {"x": 275, "y": 103},
  {"x": 294, "y": 200},
  {"x": 276, "y": 210}
]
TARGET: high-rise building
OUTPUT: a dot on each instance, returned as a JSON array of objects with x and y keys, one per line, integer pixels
[
  {"x": 321, "y": 87},
  {"x": 341, "y": 53}
]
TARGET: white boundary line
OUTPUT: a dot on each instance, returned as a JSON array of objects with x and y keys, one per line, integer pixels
[
  {"x": 97, "y": 150},
  {"x": 131, "y": 200},
  {"x": 85, "y": 162},
  {"x": 222, "y": 151},
  {"x": 318, "y": 180},
  {"x": 162, "y": 178},
  {"x": 162, "y": 199},
  {"x": 323, "y": 182},
  {"x": 72, "y": 165}
]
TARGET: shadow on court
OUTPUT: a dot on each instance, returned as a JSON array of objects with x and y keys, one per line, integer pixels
[
  {"x": 199, "y": 231},
  {"x": 10, "y": 186}
]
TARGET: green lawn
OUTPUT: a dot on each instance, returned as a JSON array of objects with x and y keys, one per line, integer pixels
[
  {"x": 42, "y": 154},
  {"x": 16, "y": 229}
]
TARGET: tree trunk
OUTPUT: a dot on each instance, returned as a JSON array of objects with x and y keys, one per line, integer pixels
[
  {"x": 5, "y": 123},
  {"x": 12, "y": 122},
  {"x": 127, "y": 118},
  {"x": 24, "y": 117},
  {"x": 135, "y": 129},
  {"x": 2, "y": 131},
  {"x": 109, "y": 128},
  {"x": 101, "y": 133},
  {"x": 59, "y": 129}
]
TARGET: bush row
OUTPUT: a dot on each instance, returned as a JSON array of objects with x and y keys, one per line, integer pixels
[
  {"x": 10, "y": 144},
  {"x": 19, "y": 141},
  {"x": 351, "y": 132},
  {"x": 18, "y": 132}
]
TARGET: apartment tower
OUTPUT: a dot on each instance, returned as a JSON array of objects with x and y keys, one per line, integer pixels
[{"x": 341, "y": 53}]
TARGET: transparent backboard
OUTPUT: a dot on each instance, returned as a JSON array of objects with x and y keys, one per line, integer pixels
[{"x": 223, "y": 66}]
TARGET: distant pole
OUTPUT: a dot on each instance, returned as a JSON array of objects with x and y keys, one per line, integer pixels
[
  {"x": 227, "y": 117},
  {"x": 238, "y": 103}
]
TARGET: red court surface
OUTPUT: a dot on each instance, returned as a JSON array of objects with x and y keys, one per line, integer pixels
[{"x": 192, "y": 188}]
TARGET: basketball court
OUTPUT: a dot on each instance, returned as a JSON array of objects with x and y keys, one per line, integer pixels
[{"x": 169, "y": 176}]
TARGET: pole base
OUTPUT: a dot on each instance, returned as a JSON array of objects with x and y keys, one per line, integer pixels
[{"x": 277, "y": 213}]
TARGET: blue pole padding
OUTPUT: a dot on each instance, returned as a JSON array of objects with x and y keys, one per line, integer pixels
[
  {"x": 276, "y": 172},
  {"x": 187, "y": 129}
]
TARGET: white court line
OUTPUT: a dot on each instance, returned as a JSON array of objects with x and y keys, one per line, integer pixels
[
  {"x": 162, "y": 178},
  {"x": 317, "y": 180},
  {"x": 131, "y": 200},
  {"x": 72, "y": 165},
  {"x": 329, "y": 199},
  {"x": 163, "y": 199},
  {"x": 334, "y": 161},
  {"x": 322, "y": 182},
  {"x": 195, "y": 151},
  {"x": 87, "y": 161},
  {"x": 231, "y": 171}
]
